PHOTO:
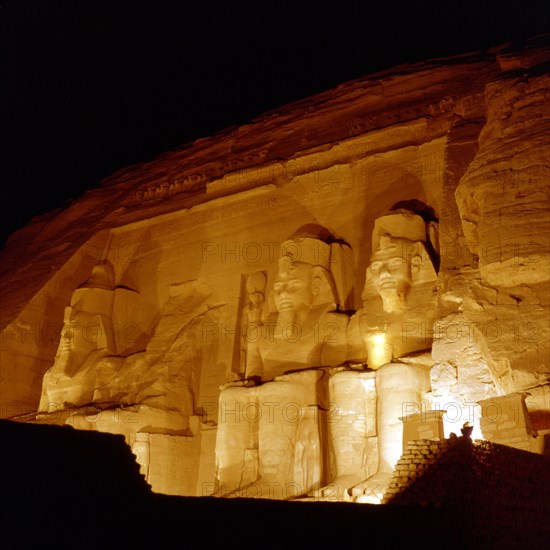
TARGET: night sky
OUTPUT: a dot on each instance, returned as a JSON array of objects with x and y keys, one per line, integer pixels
[{"x": 91, "y": 86}]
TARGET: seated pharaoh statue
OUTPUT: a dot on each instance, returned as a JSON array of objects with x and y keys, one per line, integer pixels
[
  {"x": 87, "y": 340},
  {"x": 270, "y": 441},
  {"x": 106, "y": 359},
  {"x": 392, "y": 333},
  {"x": 306, "y": 324}
]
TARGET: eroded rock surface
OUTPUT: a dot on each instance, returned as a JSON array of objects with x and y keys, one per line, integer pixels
[{"x": 260, "y": 312}]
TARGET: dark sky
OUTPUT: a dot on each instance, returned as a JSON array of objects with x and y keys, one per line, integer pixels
[{"x": 91, "y": 86}]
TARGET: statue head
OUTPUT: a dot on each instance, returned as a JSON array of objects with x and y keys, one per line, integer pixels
[
  {"x": 300, "y": 286},
  {"x": 255, "y": 288},
  {"x": 393, "y": 267},
  {"x": 310, "y": 275},
  {"x": 102, "y": 276},
  {"x": 399, "y": 259}
]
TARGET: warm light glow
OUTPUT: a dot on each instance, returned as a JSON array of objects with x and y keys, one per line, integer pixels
[
  {"x": 379, "y": 350},
  {"x": 476, "y": 433},
  {"x": 379, "y": 340},
  {"x": 456, "y": 413},
  {"x": 368, "y": 499}
]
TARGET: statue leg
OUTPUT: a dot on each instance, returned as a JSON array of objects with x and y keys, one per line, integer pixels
[{"x": 398, "y": 386}]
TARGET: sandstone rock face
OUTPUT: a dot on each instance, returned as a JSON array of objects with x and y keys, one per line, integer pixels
[
  {"x": 258, "y": 312},
  {"x": 269, "y": 441},
  {"x": 506, "y": 223}
]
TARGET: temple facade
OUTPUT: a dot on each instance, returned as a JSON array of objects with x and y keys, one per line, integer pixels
[{"x": 277, "y": 310}]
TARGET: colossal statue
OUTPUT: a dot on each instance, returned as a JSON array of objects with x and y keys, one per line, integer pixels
[
  {"x": 271, "y": 440},
  {"x": 362, "y": 374},
  {"x": 87, "y": 339},
  {"x": 399, "y": 296},
  {"x": 393, "y": 330},
  {"x": 321, "y": 389},
  {"x": 306, "y": 325}
]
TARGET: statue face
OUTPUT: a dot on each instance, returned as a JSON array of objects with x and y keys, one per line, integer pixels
[
  {"x": 67, "y": 337},
  {"x": 293, "y": 288},
  {"x": 390, "y": 273}
]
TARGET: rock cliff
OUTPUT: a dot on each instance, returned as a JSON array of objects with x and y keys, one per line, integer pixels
[{"x": 126, "y": 311}]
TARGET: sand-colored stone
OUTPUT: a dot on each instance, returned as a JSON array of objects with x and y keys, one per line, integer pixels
[
  {"x": 505, "y": 420},
  {"x": 154, "y": 293},
  {"x": 270, "y": 437},
  {"x": 426, "y": 425},
  {"x": 352, "y": 428}
]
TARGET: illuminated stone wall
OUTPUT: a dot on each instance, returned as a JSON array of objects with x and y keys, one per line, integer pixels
[{"x": 144, "y": 308}]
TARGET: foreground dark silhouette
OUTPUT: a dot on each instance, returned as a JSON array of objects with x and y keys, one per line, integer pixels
[{"x": 63, "y": 487}]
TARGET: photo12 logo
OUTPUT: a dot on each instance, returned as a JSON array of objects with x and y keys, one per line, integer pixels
[{"x": 251, "y": 333}]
